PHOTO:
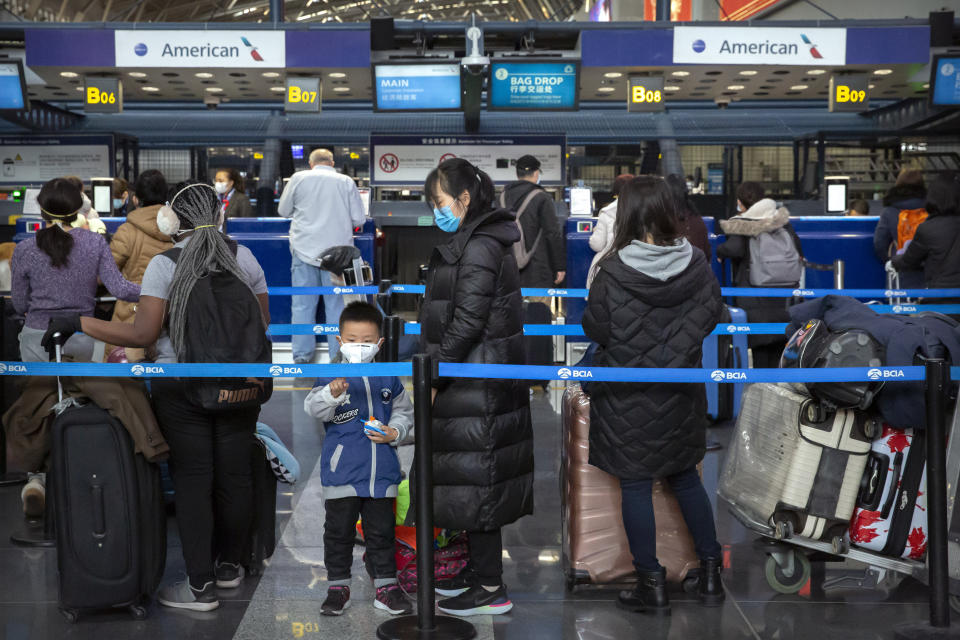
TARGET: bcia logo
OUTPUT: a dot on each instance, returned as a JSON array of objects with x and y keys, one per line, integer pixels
[
  {"x": 735, "y": 329},
  {"x": 890, "y": 293},
  {"x": 565, "y": 374},
  {"x": 723, "y": 376},
  {"x": 337, "y": 290},
  {"x": 802, "y": 293},
  {"x": 877, "y": 374},
  {"x": 320, "y": 329},
  {"x": 13, "y": 368},
  {"x": 139, "y": 369},
  {"x": 277, "y": 370}
]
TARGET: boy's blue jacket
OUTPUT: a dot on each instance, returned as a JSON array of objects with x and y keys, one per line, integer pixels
[{"x": 352, "y": 464}]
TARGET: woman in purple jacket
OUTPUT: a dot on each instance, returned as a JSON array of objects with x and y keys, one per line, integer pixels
[{"x": 56, "y": 272}]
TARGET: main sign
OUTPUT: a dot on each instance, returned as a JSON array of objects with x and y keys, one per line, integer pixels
[
  {"x": 417, "y": 87},
  {"x": 102, "y": 95},
  {"x": 645, "y": 93},
  {"x": 759, "y": 45},
  {"x": 233, "y": 49}
]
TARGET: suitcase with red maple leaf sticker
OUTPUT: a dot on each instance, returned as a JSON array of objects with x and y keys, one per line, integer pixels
[{"x": 891, "y": 513}]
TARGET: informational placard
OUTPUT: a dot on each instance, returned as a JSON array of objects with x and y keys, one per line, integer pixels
[
  {"x": 13, "y": 95},
  {"x": 759, "y": 45},
  {"x": 406, "y": 160},
  {"x": 849, "y": 92},
  {"x": 102, "y": 95},
  {"x": 645, "y": 93},
  {"x": 530, "y": 85},
  {"x": 248, "y": 49},
  {"x": 303, "y": 95},
  {"x": 34, "y": 160},
  {"x": 581, "y": 201},
  {"x": 945, "y": 81},
  {"x": 431, "y": 86}
]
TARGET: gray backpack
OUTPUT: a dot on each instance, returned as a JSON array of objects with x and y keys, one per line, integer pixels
[
  {"x": 520, "y": 248},
  {"x": 774, "y": 260}
]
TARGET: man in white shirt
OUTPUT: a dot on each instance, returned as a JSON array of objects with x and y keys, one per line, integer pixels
[{"x": 325, "y": 207}]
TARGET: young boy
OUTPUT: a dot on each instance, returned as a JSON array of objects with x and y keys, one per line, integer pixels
[{"x": 360, "y": 467}]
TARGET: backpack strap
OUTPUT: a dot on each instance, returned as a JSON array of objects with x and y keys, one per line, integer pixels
[{"x": 503, "y": 199}]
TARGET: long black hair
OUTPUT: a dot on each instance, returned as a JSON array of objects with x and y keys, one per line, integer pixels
[
  {"x": 943, "y": 195},
  {"x": 455, "y": 176},
  {"x": 646, "y": 206},
  {"x": 678, "y": 187},
  {"x": 60, "y": 202}
]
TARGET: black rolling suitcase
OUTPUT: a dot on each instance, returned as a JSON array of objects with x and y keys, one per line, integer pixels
[
  {"x": 538, "y": 349},
  {"x": 108, "y": 513},
  {"x": 263, "y": 527}
]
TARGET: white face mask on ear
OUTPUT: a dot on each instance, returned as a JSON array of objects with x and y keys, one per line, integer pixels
[
  {"x": 87, "y": 205},
  {"x": 359, "y": 352},
  {"x": 167, "y": 221}
]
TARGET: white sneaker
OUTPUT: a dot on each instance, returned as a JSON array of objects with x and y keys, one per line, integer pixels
[{"x": 34, "y": 496}]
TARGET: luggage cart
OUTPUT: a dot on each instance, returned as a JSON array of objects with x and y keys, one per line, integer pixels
[{"x": 789, "y": 556}]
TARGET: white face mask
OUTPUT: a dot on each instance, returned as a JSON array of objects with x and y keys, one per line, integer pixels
[
  {"x": 359, "y": 352},
  {"x": 221, "y": 187},
  {"x": 87, "y": 205}
]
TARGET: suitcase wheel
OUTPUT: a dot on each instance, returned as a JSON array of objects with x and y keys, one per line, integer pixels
[
  {"x": 788, "y": 579},
  {"x": 138, "y": 612},
  {"x": 71, "y": 615}
]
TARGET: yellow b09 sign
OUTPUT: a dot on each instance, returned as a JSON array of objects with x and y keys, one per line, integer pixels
[
  {"x": 303, "y": 94},
  {"x": 849, "y": 92},
  {"x": 645, "y": 93},
  {"x": 103, "y": 95}
]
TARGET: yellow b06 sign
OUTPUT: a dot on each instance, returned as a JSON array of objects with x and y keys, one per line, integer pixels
[
  {"x": 103, "y": 95},
  {"x": 303, "y": 94},
  {"x": 849, "y": 92},
  {"x": 645, "y": 93}
]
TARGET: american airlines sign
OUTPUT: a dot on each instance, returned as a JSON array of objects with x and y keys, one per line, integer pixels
[
  {"x": 759, "y": 45},
  {"x": 248, "y": 49}
]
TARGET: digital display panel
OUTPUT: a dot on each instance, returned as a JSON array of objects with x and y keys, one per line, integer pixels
[{"x": 431, "y": 86}]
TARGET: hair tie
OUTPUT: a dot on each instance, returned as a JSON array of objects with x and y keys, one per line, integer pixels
[
  {"x": 205, "y": 226},
  {"x": 58, "y": 216}
]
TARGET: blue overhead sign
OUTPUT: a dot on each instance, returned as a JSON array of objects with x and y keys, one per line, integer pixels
[
  {"x": 533, "y": 85},
  {"x": 945, "y": 86},
  {"x": 417, "y": 87}
]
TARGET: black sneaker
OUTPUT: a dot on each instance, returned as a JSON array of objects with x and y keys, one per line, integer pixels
[
  {"x": 229, "y": 576},
  {"x": 182, "y": 596},
  {"x": 458, "y": 584},
  {"x": 338, "y": 601},
  {"x": 477, "y": 601},
  {"x": 392, "y": 600}
]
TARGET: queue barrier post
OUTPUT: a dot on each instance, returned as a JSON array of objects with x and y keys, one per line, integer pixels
[
  {"x": 395, "y": 331},
  {"x": 425, "y": 624},
  {"x": 937, "y": 387},
  {"x": 6, "y": 479},
  {"x": 839, "y": 273},
  {"x": 385, "y": 297}
]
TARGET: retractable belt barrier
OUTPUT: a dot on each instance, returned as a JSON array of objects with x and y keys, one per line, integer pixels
[
  {"x": 582, "y": 293},
  {"x": 413, "y": 329},
  {"x": 461, "y": 370}
]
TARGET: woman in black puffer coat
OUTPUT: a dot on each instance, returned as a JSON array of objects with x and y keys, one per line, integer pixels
[
  {"x": 482, "y": 433},
  {"x": 652, "y": 303}
]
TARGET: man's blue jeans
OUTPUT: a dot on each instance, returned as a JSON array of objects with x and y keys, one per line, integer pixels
[{"x": 304, "y": 308}]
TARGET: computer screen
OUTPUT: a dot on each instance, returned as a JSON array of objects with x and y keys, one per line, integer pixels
[
  {"x": 297, "y": 151},
  {"x": 13, "y": 88},
  {"x": 433, "y": 86},
  {"x": 837, "y": 197},
  {"x": 945, "y": 81},
  {"x": 581, "y": 201}
]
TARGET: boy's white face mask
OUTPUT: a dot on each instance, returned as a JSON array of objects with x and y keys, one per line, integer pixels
[{"x": 359, "y": 352}]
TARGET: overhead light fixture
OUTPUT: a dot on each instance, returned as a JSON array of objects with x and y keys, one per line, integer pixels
[
  {"x": 799, "y": 87},
  {"x": 749, "y": 72},
  {"x": 270, "y": 74},
  {"x": 607, "y": 89},
  {"x": 883, "y": 72},
  {"x": 816, "y": 72},
  {"x": 79, "y": 88},
  {"x": 735, "y": 87},
  {"x": 871, "y": 86},
  {"x": 671, "y": 88},
  {"x": 204, "y": 75},
  {"x": 337, "y": 75},
  {"x": 68, "y": 74},
  {"x": 214, "y": 89},
  {"x": 278, "y": 89},
  {"x": 926, "y": 85},
  {"x": 680, "y": 74},
  {"x": 137, "y": 74},
  {"x": 150, "y": 89},
  {"x": 613, "y": 75},
  {"x": 341, "y": 89}
]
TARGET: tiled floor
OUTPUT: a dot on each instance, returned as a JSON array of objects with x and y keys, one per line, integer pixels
[{"x": 284, "y": 602}]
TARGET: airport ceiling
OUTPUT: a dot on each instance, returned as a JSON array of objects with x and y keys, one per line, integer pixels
[{"x": 301, "y": 11}]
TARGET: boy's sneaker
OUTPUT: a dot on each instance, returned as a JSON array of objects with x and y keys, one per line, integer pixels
[
  {"x": 458, "y": 584},
  {"x": 182, "y": 596},
  {"x": 392, "y": 600},
  {"x": 477, "y": 601},
  {"x": 34, "y": 496},
  {"x": 338, "y": 601},
  {"x": 229, "y": 576}
]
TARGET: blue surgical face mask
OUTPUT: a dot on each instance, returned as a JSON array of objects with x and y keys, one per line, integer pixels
[
  {"x": 117, "y": 203},
  {"x": 445, "y": 219}
]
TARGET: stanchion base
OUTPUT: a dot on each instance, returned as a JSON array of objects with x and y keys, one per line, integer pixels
[
  {"x": 923, "y": 631},
  {"x": 445, "y": 628},
  {"x": 10, "y": 479},
  {"x": 35, "y": 535}
]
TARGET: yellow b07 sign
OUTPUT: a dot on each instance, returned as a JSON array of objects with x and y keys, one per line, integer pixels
[
  {"x": 103, "y": 95},
  {"x": 849, "y": 92},
  {"x": 303, "y": 94}
]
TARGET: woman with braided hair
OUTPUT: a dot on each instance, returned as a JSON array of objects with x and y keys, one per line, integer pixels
[{"x": 209, "y": 449}]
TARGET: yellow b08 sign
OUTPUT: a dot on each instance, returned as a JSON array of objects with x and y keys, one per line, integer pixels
[
  {"x": 849, "y": 92},
  {"x": 103, "y": 95},
  {"x": 303, "y": 94},
  {"x": 645, "y": 93}
]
